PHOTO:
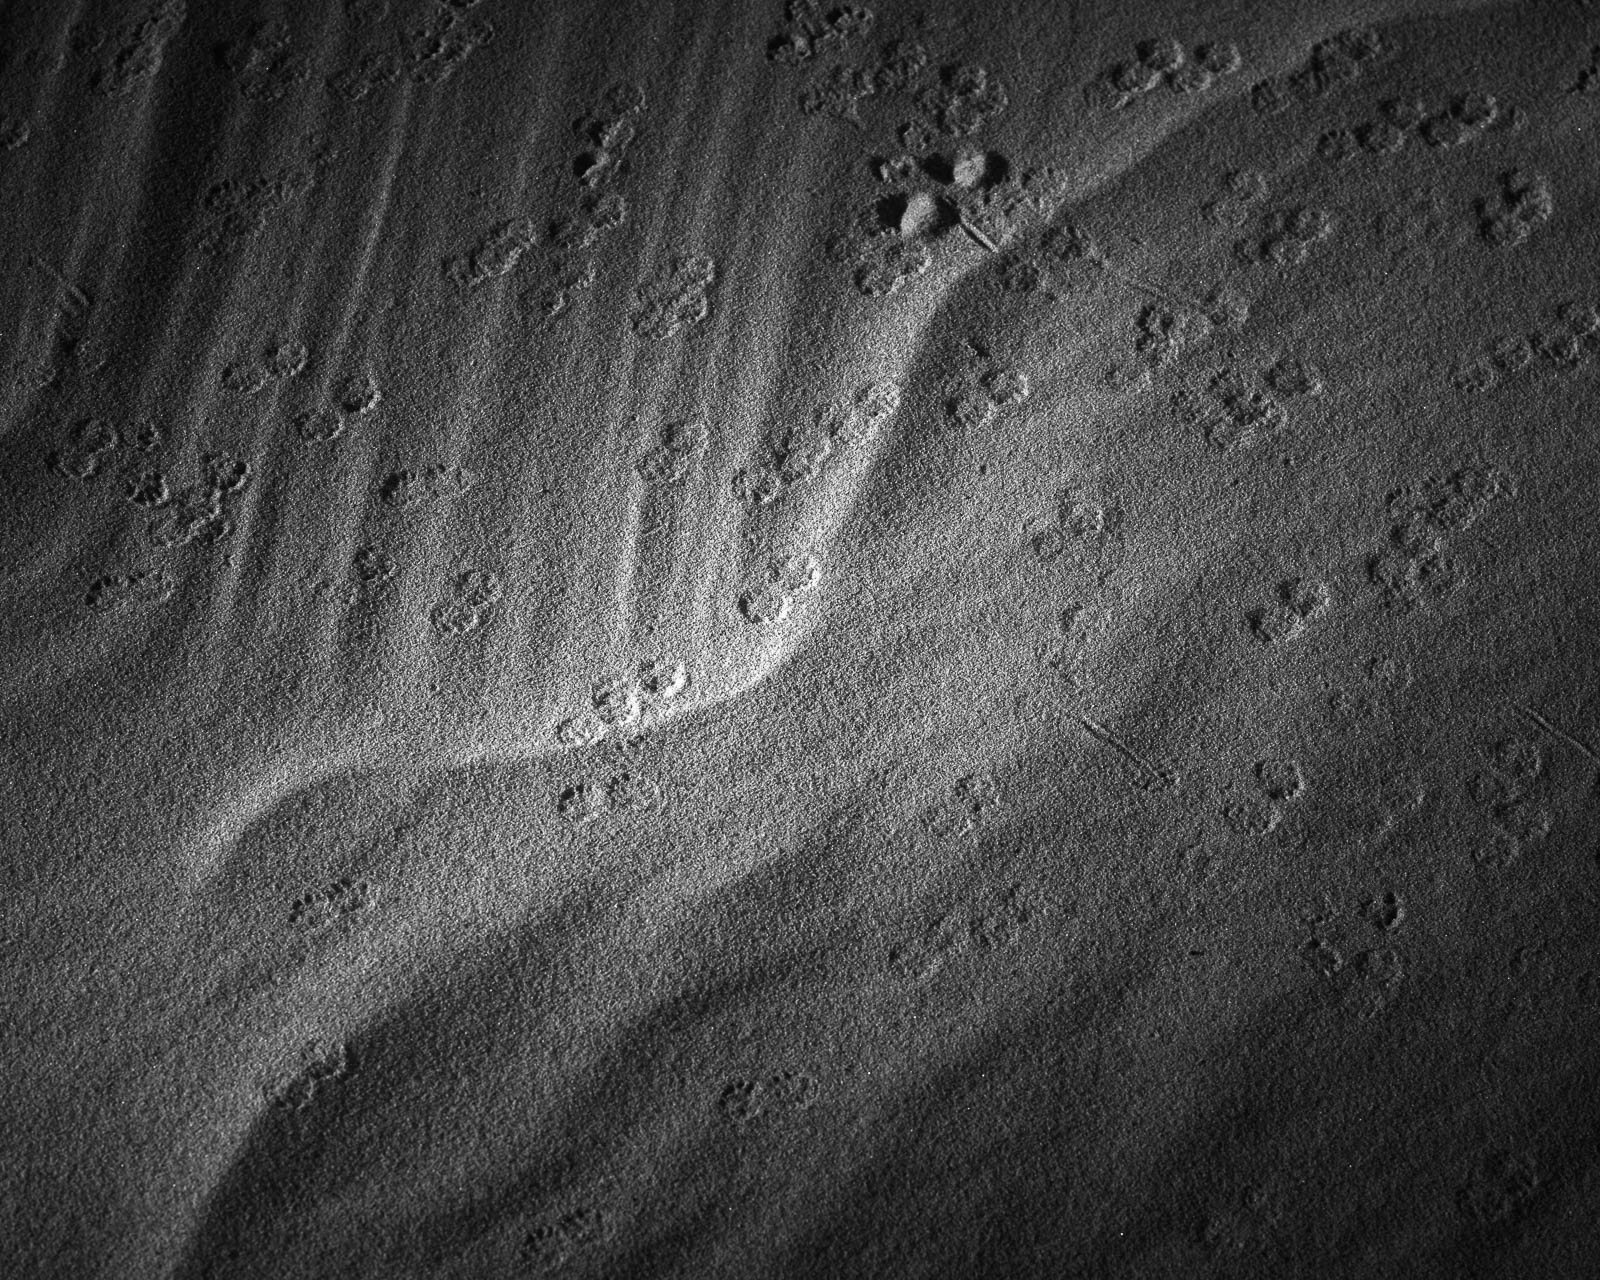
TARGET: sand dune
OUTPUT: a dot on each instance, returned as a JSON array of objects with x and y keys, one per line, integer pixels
[{"x": 782, "y": 640}]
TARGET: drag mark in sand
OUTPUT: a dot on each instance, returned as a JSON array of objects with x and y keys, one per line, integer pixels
[
  {"x": 1150, "y": 777},
  {"x": 1577, "y": 744},
  {"x": 79, "y": 299}
]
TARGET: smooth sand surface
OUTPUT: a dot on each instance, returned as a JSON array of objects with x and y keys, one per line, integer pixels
[{"x": 715, "y": 640}]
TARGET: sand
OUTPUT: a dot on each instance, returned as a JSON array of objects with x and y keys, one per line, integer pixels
[{"x": 718, "y": 640}]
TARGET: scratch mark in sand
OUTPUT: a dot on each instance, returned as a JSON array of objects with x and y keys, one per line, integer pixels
[
  {"x": 1529, "y": 714},
  {"x": 1152, "y": 777}
]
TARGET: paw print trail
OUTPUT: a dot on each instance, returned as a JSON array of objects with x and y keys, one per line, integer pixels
[{"x": 718, "y": 389}]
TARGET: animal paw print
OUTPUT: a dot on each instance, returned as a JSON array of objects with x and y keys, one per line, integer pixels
[
  {"x": 995, "y": 922},
  {"x": 1089, "y": 527},
  {"x": 1242, "y": 190},
  {"x": 90, "y": 443},
  {"x": 672, "y": 452},
  {"x": 1512, "y": 789},
  {"x": 1425, "y": 518},
  {"x": 1286, "y": 237},
  {"x": 321, "y": 1066},
  {"x": 496, "y": 253},
  {"x": 408, "y": 488},
  {"x": 627, "y": 792},
  {"x": 622, "y": 702},
  {"x": 1330, "y": 64},
  {"x": 745, "y": 1100},
  {"x": 793, "y": 453},
  {"x": 278, "y": 362},
  {"x": 1364, "y": 980},
  {"x": 785, "y": 579},
  {"x": 966, "y": 808},
  {"x": 553, "y": 1243},
  {"x": 1463, "y": 119},
  {"x": 811, "y": 28},
  {"x": 1279, "y": 784},
  {"x": 1163, "y": 60},
  {"x": 1062, "y": 258},
  {"x": 678, "y": 295},
  {"x": 473, "y": 593},
  {"x": 1236, "y": 409},
  {"x": 327, "y": 906},
  {"x": 1520, "y": 205},
  {"x": 1563, "y": 345},
  {"x": 141, "y": 588},
  {"x": 973, "y": 398},
  {"x": 198, "y": 512},
  {"x": 1297, "y": 602},
  {"x": 882, "y": 259}
]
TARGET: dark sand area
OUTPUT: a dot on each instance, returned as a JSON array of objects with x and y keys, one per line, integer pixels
[{"x": 666, "y": 639}]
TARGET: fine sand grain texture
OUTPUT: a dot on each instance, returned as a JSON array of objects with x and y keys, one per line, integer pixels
[{"x": 724, "y": 639}]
